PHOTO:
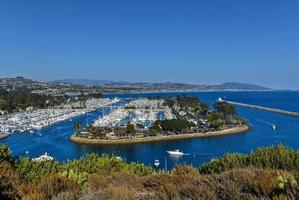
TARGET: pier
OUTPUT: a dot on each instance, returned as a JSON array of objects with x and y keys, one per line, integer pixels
[{"x": 274, "y": 110}]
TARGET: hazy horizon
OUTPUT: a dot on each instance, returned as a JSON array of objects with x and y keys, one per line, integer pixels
[
  {"x": 197, "y": 42},
  {"x": 121, "y": 81}
]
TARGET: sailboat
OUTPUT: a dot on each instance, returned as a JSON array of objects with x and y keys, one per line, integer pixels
[{"x": 157, "y": 163}]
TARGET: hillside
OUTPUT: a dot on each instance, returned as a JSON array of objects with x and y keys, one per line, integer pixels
[
  {"x": 166, "y": 86},
  {"x": 87, "y": 85},
  {"x": 89, "y": 82},
  {"x": 243, "y": 86},
  {"x": 268, "y": 173},
  {"x": 21, "y": 84}
]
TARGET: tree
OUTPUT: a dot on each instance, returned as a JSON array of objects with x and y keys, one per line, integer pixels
[
  {"x": 130, "y": 129},
  {"x": 14, "y": 100},
  {"x": 77, "y": 127},
  {"x": 204, "y": 108},
  {"x": 140, "y": 126},
  {"x": 96, "y": 95},
  {"x": 169, "y": 102},
  {"x": 82, "y": 100},
  {"x": 3, "y": 104},
  {"x": 156, "y": 127},
  {"x": 214, "y": 116},
  {"x": 175, "y": 125},
  {"x": 184, "y": 101},
  {"x": 225, "y": 108}
]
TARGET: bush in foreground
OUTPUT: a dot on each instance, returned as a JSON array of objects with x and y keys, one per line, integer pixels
[{"x": 278, "y": 157}]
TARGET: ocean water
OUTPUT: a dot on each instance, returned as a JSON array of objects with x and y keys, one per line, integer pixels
[{"x": 54, "y": 139}]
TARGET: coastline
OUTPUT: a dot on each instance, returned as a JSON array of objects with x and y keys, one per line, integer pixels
[
  {"x": 235, "y": 130},
  {"x": 195, "y": 91}
]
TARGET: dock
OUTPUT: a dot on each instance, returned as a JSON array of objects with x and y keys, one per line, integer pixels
[{"x": 273, "y": 110}]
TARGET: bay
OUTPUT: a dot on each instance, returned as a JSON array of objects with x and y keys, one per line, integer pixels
[{"x": 54, "y": 139}]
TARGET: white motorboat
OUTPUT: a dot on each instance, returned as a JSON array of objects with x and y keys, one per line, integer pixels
[
  {"x": 274, "y": 127},
  {"x": 44, "y": 157},
  {"x": 175, "y": 153},
  {"x": 119, "y": 158}
]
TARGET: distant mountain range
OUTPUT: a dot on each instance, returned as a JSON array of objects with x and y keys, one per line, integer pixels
[
  {"x": 90, "y": 82},
  {"x": 104, "y": 86},
  {"x": 243, "y": 86},
  {"x": 166, "y": 86}
]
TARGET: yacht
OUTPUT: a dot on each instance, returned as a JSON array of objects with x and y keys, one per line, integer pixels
[
  {"x": 44, "y": 157},
  {"x": 175, "y": 153},
  {"x": 274, "y": 127}
]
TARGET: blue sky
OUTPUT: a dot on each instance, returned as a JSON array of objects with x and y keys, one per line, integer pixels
[{"x": 200, "y": 41}]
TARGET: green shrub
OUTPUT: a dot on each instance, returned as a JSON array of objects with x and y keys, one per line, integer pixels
[
  {"x": 278, "y": 157},
  {"x": 267, "y": 173},
  {"x": 9, "y": 180},
  {"x": 5, "y": 154}
]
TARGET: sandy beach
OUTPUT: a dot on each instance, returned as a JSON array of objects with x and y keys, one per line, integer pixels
[{"x": 235, "y": 130}]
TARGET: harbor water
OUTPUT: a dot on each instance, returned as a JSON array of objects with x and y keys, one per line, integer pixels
[{"x": 54, "y": 139}]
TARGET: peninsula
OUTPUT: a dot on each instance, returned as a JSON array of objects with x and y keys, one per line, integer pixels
[
  {"x": 160, "y": 119},
  {"x": 239, "y": 129}
]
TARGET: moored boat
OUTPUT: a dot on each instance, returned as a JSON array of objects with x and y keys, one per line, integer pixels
[
  {"x": 3, "y": 135},
  {"x": 175, "y": 153},
  {"x": 44, "y": 157},
  {"x": 157, "y": 163}
]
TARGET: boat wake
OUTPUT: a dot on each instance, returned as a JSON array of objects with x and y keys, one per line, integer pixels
[{"x": 265, "y": 122}]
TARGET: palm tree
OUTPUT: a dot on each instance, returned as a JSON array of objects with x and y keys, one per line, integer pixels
[{"x": 77, "y": 127}]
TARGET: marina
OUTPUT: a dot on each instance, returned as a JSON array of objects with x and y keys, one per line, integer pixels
[
  {"x": 139, "y": 111},
  {"x": 37, "y": 119}
]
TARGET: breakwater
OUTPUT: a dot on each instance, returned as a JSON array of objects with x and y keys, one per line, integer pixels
[{"x": 274, "y": 110}]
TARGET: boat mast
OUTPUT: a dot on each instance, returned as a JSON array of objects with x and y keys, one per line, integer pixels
[{"x": 165, "y": 164}]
